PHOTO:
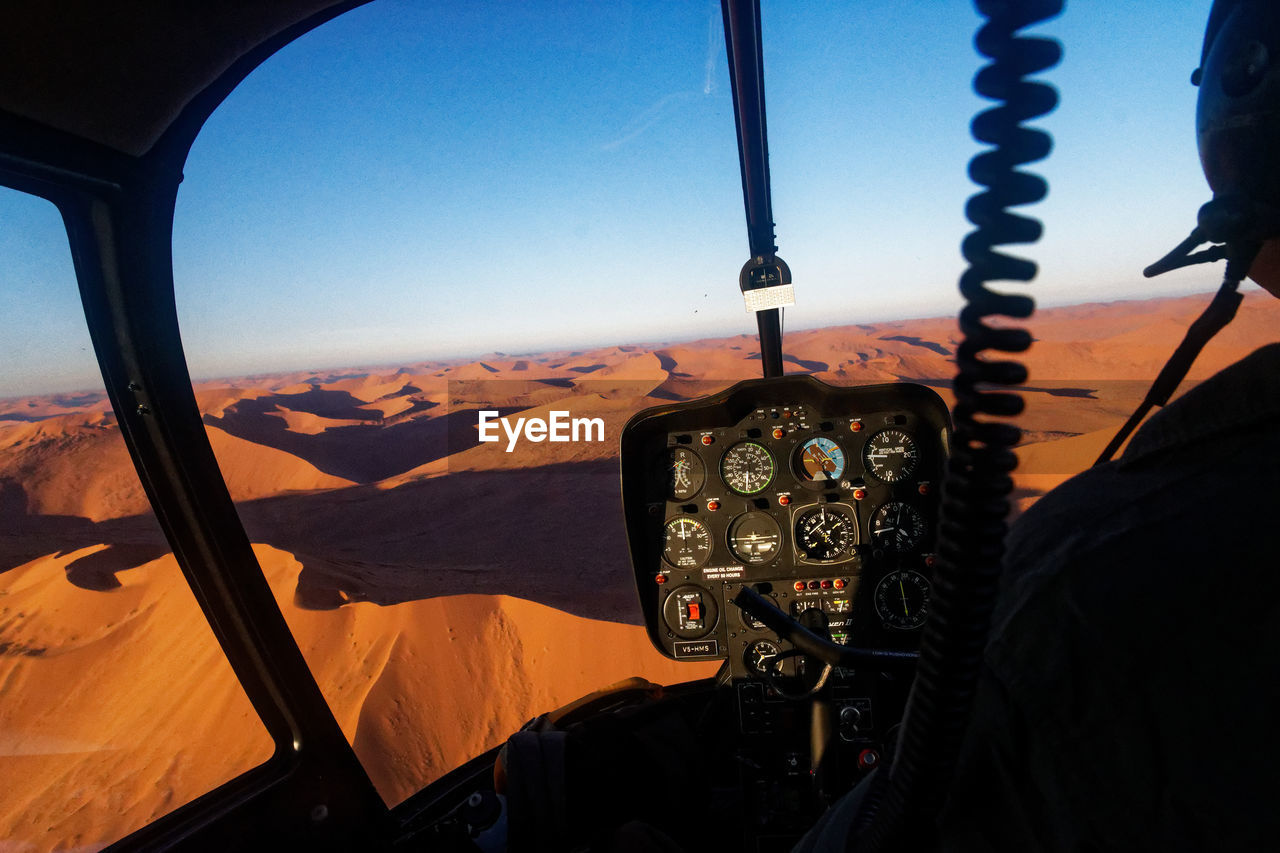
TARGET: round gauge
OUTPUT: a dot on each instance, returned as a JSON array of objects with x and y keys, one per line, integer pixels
[
  {"x": 825, "y": 533},
  {"x": 820, "y": 459},
  {"x": 891, "y": 455},
  {"x": 760, "y": 655},
  {"x": 747, "y": 468},
  {"x": 686, "y": 542},
  {"x": 902, "y": 600},
  {"x": 755, "y": 538},
  {"x": 896, "y": 526},
  {"x": 685, "y": 473}
]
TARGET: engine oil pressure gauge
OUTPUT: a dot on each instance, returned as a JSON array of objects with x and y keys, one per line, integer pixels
[{"x": 686, "y": 542}]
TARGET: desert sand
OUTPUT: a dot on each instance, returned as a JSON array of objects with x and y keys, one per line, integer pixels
[{"x": 443, "y": 590}]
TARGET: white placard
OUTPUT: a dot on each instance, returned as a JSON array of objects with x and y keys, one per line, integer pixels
[{"x": 765, "y": 298}]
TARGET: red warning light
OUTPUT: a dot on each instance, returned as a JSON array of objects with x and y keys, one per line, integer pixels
[
  {"x": 856, "y": 426},
  {"x": 783, "y": 500},
  {"x": 859, "y": 494},
  {"x": 779, "y": 432},
  {"x": 660, "y": 579},
  {"x": 799, "y": 586},
  {"x": 708, "y": 440},
  {"x": 924, "y": 488},
  {"x": 712, "y": 506},
  {"x": 838, "y": 583}
]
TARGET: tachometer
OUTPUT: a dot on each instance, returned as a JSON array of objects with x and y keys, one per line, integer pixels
[
  {"x": 755, "y": 538},
  {"x": 747, "y": 468},
  {"x": 891, "y": 455},
  {"x": 686, "y": 542},
  {"x": 897, "y": 526},
  {"x": 685, "y": 473},
  {"x": 902, "y": 600},
  {"x": 820, "y": 459},
  {"x": 826, "y": 533}
]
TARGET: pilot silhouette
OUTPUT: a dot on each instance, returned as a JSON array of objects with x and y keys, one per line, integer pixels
[{"x": 1128, "y": 699}]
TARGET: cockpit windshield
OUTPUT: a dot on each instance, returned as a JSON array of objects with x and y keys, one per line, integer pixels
[{"x": 430, "y": 258}]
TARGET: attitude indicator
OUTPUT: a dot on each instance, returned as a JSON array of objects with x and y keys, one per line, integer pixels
[{"x": 821, "y": 459}]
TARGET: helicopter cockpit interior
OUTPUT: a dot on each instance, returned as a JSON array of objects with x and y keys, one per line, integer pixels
[{"x": 829, "y": 551}]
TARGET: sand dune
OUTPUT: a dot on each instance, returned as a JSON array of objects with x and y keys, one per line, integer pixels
[
  {"x": 184, "y": 726},
  {"x": 435, "y": 584}
]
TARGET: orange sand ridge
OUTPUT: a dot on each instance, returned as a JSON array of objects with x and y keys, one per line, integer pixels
[{"x": 443, "y": 591}]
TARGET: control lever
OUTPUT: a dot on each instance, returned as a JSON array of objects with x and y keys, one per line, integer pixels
[{"x": 811, "y": 644}]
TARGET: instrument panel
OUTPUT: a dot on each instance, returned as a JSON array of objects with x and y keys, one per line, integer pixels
[{"x": 821, "y": 498}]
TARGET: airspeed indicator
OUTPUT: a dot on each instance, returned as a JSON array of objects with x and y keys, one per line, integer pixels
[{"x": 747, "y": 468}]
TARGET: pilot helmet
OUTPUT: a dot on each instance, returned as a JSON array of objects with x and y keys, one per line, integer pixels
[{"x": 1238, "y": 110}]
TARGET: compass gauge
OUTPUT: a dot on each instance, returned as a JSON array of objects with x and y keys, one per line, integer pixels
[
  {"x": 685, "y": 473},
  {"x": 747, "y": 468},
  {"x": 686, "y": 543},
  {"x": 897, "y": 526},
  {"x": 891, "y": 455},
  {"x": 820, "y": 460}
]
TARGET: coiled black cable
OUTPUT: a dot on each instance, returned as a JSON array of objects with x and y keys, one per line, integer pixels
[{"x": 900, "y": 810}]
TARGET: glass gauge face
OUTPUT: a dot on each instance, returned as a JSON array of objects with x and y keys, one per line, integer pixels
[
  {"x": 685, "y": 473},
  {"x": 686, "y": 543},
  {"x": 891, "y": 455},
  {"x": 825, "y": 534},
  {"x": 897, "y": 526},
  {"x": 760, "y": 655},
  {"x": 747, "y": 468},
  {"x": 821, "y": 459},
  {"x": 755, "y": 538},
  {"x": 902, "y": 600}
]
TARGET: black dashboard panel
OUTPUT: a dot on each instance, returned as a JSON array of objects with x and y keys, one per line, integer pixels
[{"x": 821, "y": 498}]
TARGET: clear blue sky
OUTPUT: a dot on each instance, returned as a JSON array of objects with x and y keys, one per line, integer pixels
[{"x": 422, "y": 179}]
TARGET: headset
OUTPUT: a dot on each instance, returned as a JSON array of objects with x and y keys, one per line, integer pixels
[{"x": 1238, "y": 134}]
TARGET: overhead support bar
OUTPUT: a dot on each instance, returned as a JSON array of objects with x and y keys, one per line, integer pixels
[{"x": 745, "y": 53}]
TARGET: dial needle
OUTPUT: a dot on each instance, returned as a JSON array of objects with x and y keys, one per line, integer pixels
[{"x": 905, "y": 611}]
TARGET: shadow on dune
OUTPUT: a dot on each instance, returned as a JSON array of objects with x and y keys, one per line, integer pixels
[
  {"x": 98, "y": 570},
  {"x": 26, "y": 537},
  {"x": 920, "y": 342},
  {"x": 553, "y": 535},
  {"x": 1064, "y": 391},
  {"x": 362, "y": 453}
]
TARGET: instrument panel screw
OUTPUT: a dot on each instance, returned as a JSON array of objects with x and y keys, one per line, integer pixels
[{"x": 144, "y": 409}]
